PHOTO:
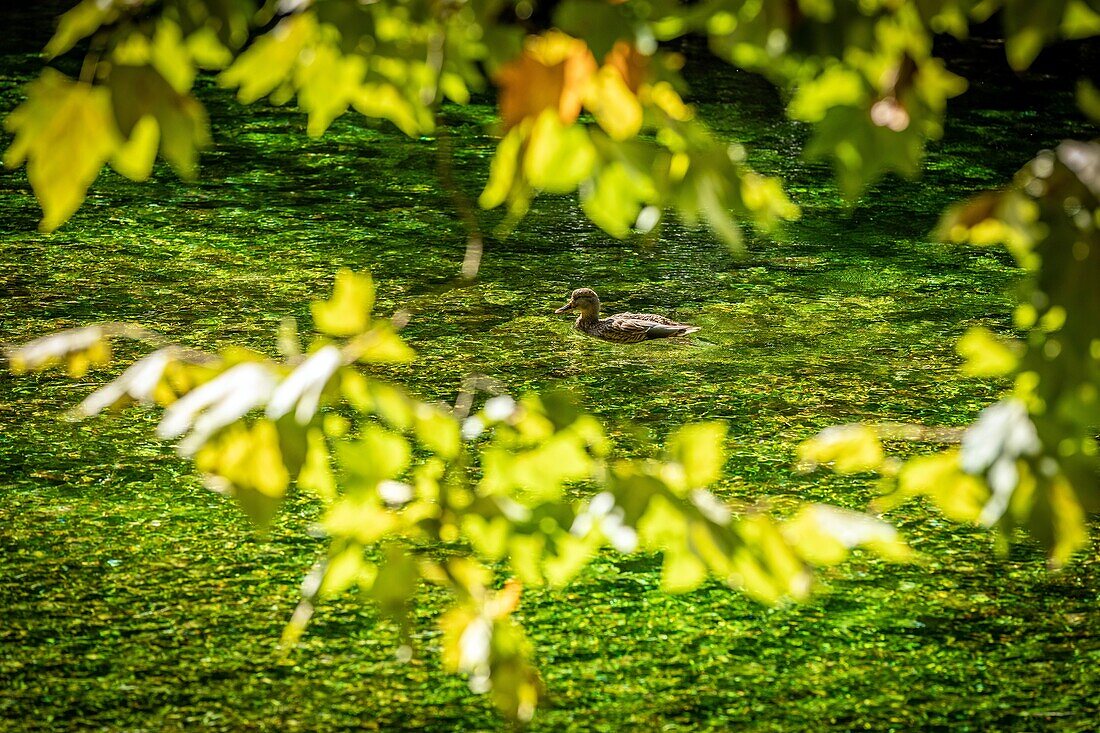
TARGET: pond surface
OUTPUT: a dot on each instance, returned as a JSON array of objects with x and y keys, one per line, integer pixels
[{"x": 136, "y": 600}]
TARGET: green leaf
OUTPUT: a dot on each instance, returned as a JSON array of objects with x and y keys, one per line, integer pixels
[
  {"x": 379, "y": 454},
  {"x": 396, "y": 583},
  {"x": 347, "y": 313}
]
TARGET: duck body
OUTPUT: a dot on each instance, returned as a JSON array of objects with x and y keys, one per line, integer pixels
[{"x": 622, "y": 328}]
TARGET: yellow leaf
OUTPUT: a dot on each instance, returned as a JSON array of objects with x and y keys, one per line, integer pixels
[
  {"x": 614, "y": 106},
  {"x": 207, "y": 50},
  {"x": 837, "y": 86},
  {"x": 557, "y": 157},
  {"x": 140, "y": 91},
  {"x": 383, "y": 346},
  {"x": 78, "y": 23},
  {"x": 682, "y": 571},
  {"x": 959, "y": 495},
  {"x": 502, "y": 170},
  {"x": 135, "y": 157},
  {"x": 171, "y": 58},
  {"x": 850, "y": 448},
  {"x": 269, "y": 61},
  {"x": 343, "y": 570},
  {"x": 347, "y": 313},
  {"x": 316, "y": 473},
  {"x": 61, "y": 162},
  {"x": 327, "y": 83},
  {"x": 985, "y": 354},
  {"x": 700, "y": 449}
]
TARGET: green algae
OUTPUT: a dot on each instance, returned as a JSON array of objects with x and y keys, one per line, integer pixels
[{"x": 136, "y": 600}]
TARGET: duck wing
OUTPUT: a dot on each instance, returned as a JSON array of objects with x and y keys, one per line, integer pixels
[
  {"x": 650, "y": 317},
  {"x": 628, "y": 328}
]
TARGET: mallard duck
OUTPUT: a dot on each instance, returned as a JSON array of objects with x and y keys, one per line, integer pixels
[{"x": 624, "y": 328}]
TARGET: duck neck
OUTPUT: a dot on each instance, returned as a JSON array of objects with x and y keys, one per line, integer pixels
[{"x": 588, "y": 316}]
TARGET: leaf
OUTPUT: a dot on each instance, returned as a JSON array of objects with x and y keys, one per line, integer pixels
[
  {"x": 557, "y": 157},
  {"x": 502, "y": 170},
  {"x": 959, "y": 495},
  {"x": 682, "y": 571},
  {"x": 552, "y": 73},
  {"x": 316, "y": 474},
  {"x": 89, "y": 344},
  {"x": 837, "y": 86},
  {"x": 382, "y": 346},
  {"x": 247, "y": 464},
  {"x": 134, "y": 158},
  {"x": 985, "y": 354},
  {"x": 343, "y": 570},
  {"x": 700, "y": 449},
  {"x": 170, "y": 56},
  {"x": 1088, "y": 99},
  {"x": 347, "y": 313},
  {"x": 138, "y": 92},
  {"x": 396, "y": 583},
  {"x": 269, "y": 61},
  {"x": 79, "y": 23},
  {"x": 385, "y": 101},
  {"x": 850, "y": 448},
  {"x": 437, "y": 431},
  {"x": 65, "y": 132},
  {"x": 327, "y": 83},
  {"x": 614, "y": 106},
  {"x": 379, "y": 454},
  {"x": 825, "y": 535}
]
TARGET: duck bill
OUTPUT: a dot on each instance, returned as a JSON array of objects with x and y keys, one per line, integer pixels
[{"x": 567, "y": 307}]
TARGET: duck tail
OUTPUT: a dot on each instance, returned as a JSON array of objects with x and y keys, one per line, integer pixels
[{"x": 689, "y": 329}]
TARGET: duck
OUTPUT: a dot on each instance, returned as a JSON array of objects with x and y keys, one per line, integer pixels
[{"x": 623, "y": 328}]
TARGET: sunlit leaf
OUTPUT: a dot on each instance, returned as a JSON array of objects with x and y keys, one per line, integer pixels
[
  {"x": 985, "y": 354},
  {"x": 61, "y": 165},
  {"x": 271, "y": 58},
  {"x": 557, "y": 157},
  {"x": 700, "y": 449},
  {"x": 347, "y": 313},
  {"x": 140, "y": 92},
  {"x": 849, "y": 448},
  {"x": 78, "y": 23}
]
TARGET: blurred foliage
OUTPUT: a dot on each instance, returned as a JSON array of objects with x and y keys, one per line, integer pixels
[
  {"x": 1032, "y": 459},
  {"x": 414, "y": 491},
  {"x": 592, "y": 104}
]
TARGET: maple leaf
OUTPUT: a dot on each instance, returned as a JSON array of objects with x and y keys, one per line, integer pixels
[{"x": 552, "y": 72}]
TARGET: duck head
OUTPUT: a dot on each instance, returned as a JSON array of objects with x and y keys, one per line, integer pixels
[{"x": 583, "y": 299}]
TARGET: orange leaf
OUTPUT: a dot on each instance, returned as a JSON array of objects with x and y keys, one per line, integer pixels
[{"x": 553, "y": 72}]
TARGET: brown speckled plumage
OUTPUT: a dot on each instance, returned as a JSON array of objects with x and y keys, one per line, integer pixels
[{"x": 623, "y": 328}]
